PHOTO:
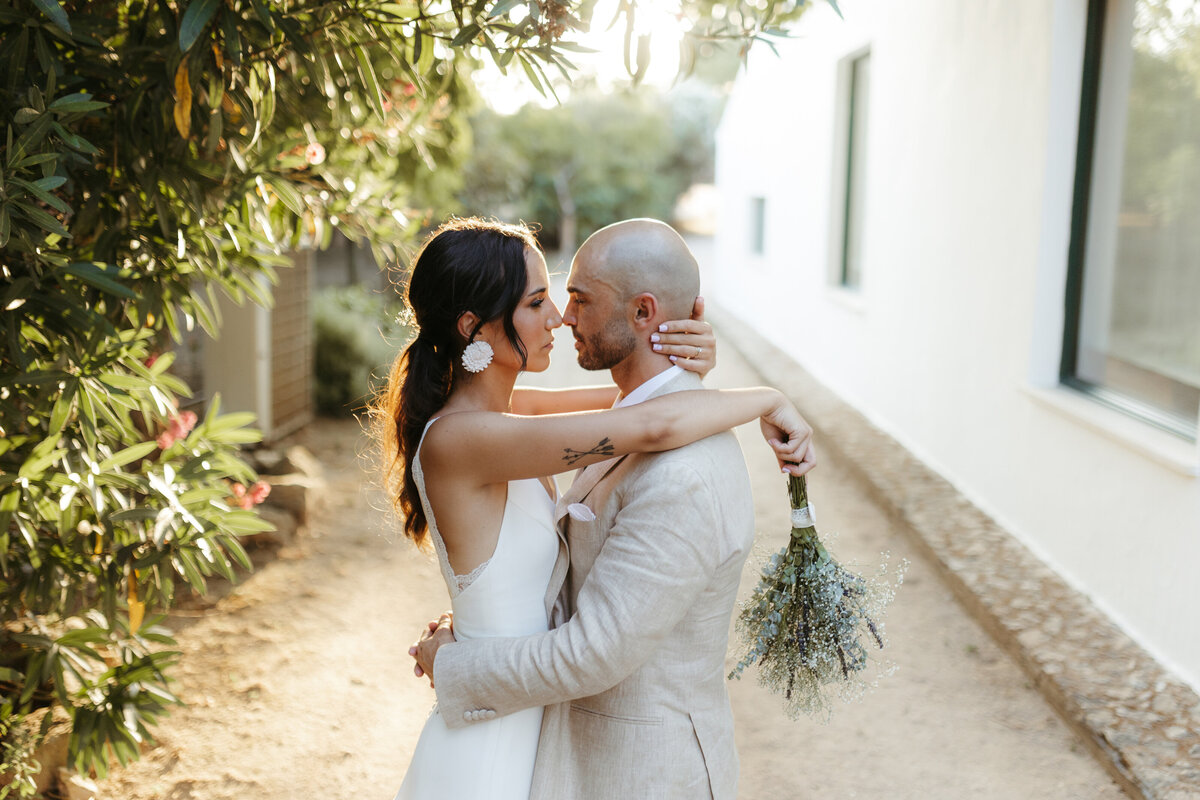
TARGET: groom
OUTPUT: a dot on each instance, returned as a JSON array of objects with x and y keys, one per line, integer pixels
[{"x": 633, "y": 673}]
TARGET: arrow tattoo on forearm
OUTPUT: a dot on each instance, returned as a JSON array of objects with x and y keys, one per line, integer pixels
[{"x": 604, "y": 447}]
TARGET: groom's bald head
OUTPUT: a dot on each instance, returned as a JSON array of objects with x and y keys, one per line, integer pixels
[{"x": 638, "y": 256}]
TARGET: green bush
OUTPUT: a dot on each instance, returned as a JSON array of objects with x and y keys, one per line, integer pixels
[{"x": 358, "y": 334}]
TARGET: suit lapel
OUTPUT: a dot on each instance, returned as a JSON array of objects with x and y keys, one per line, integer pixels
[
  {"x": 589, "y": 476},
  {"x": 585, "y": 481}
]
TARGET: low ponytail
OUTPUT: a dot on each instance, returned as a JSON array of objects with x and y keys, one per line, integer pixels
[
  {"x": 417, "y": 386},
  {"x": 465, "y": 265}
]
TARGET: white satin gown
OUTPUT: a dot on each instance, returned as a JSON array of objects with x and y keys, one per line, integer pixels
[{"x": 505, "y": 596}]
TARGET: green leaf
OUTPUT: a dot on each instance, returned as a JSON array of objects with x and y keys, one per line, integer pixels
[
  {"x": 98, "y": 275},
  {"x": 264, "y": 14},
  {"x": 77, "y": 102},
  {"x": 37, "y": 191},
  {"x": 123, "y": 457},
  {"x": 532, "y": 75},
  {"x": 54, "y": 10},
  {"x": 199, "y": 13},
  {"x": 30, "y": 137},
  {"x": 465, "y": 35},
  {"x": 244, "y": 522},
  {"x": 287, "y": 193},
  {"x": 26, "y": 115},
  {"x": 62, "y": 409},
  {"x": 35, "y": 467},
  {"x": 233, "y": 37},
  {"x": 31, "y": 161},
  {"x": 502, "y": 7},
  {"x": 226, "y": 422},
  {"x": 367, "y": 71},
  {"x": 234, "y": 548},
  {"x": 50, "y": 183},
  {"x": 74, "y": 141},
  {"x": 126, "y": 382},
  {"x": 40, "y": 218},
  {"x": 293, "y": 33},
  {"x": 424, "y": 53}
]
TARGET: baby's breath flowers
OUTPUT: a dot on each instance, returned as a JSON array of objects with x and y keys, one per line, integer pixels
[{"x": 810, "y": 622}]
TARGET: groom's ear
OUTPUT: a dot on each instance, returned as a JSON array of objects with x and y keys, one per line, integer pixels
[{"x": 645, "y": 310}]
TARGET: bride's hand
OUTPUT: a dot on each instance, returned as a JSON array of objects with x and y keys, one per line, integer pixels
[
  {"x": 690, "y": 343},
  {"x": 790, "y": 436},
  {"x": 431, "y": 628}
]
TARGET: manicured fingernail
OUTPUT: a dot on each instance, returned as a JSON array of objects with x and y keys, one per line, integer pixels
[
  {"x": 663, "y": 327},
  {"x": 657, "y": 346},
  {"x": 784, "y": 471},
  {"x": 672, "y": 358},
  {"x": 654, "y": 337}
]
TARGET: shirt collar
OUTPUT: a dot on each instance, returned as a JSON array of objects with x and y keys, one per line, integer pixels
[{"x": 649, "y": 387}]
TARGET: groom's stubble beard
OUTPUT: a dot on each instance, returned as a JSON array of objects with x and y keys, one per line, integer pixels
[{"x": 610, "y": 346}]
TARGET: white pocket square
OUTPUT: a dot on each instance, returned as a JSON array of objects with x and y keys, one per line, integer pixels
[{"x": 580, "y": 513}]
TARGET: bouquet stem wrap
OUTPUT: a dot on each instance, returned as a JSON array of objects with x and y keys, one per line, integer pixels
[{"x": 810, "y": 621}]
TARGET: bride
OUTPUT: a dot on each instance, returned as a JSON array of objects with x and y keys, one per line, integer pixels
[{"x": 467, "y": 458}]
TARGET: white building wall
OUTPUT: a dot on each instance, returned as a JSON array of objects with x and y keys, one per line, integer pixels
[{"x": 952, "y": 344}]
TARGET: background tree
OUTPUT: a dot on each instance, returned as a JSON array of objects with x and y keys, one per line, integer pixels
[
  {"x": 597, "y": 157},
  {"x": 153, "y": 155}
]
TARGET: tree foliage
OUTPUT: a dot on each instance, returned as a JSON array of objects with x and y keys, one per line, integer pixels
[
  {"x": 598, "y": 157},
  {"x": 152, "y": 156}
]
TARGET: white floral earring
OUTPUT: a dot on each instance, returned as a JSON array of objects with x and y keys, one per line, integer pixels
[{"x": 477, "y": 356}]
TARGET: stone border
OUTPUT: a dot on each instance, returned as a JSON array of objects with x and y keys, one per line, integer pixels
[{"x": 1139, "y": 720}]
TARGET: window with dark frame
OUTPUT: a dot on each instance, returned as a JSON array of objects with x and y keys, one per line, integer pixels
[
  {"x": 1132, "y": 333},
  {"x": 858, "y": 88}
]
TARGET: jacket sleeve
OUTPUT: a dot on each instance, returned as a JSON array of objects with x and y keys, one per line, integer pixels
[{"x": 658, "y": 557}]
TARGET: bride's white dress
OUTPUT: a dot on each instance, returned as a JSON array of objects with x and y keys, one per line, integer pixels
[{"x": 505, "y": 596}]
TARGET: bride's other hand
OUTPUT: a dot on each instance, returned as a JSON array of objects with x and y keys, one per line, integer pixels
[
  {"x": 425, "y": 649},
  {"x": 445, "y": 620},
  {"x": 689, "y": 343},
  {"x": 790, "y": 436}
]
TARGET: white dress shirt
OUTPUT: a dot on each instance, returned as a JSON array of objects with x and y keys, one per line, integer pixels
[{"x": 649, "y": 387}]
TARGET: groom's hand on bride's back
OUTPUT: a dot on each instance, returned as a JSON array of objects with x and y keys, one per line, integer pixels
[{"x": 437, "y": 633}]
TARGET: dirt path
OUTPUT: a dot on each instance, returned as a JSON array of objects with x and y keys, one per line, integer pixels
[{"x": 298, "y": 684}]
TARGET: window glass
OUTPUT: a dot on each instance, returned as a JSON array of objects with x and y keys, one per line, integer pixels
[{"x": 1139, "y": 307}]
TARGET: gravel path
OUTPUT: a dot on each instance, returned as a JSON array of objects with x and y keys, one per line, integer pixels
[{"x": 298, "y": 683}]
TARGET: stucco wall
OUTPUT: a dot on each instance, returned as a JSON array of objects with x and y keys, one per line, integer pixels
[{"x": 953, "y": 340}]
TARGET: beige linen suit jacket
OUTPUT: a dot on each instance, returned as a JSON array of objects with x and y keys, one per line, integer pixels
[{"x": 633, "y": 673}]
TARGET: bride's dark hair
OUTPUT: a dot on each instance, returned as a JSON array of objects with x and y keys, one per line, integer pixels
[{"x": 465, "y": 265}]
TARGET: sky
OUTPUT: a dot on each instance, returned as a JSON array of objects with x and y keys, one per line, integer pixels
[{"x": 507, "y": 93}]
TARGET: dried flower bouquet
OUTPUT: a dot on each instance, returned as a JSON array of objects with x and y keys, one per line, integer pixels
[{"x": 810, "y": 621}]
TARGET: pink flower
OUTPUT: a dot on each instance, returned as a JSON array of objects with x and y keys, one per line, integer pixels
[
  {"x": 314, "y": 154},
  {"x": 259, "y": 491},
  {"x": 410, "y": 89},
  {"x": 179, "y": 427},
  {"x": 249, "y": 498}
]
